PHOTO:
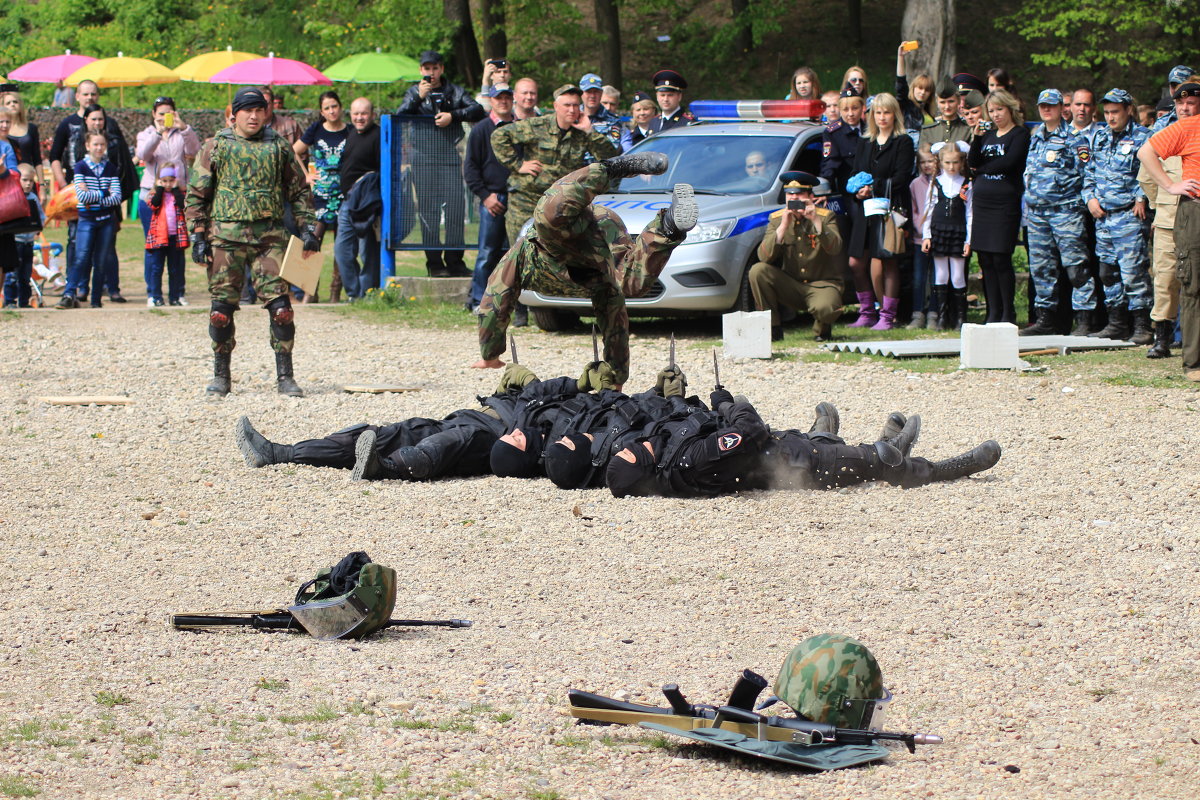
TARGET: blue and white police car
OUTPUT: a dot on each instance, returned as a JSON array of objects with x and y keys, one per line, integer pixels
[{"x": 734, "y": 167}]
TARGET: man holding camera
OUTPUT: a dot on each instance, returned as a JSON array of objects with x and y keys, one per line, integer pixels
[
  {"x": 795, "y": 269},
  {"x": 435, "y": 157}
]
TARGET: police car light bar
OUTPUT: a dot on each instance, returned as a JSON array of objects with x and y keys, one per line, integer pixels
[{"x": 757, "y": 109}]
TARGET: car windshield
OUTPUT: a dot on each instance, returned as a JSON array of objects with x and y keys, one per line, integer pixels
[{"x": 712, "y": 164}]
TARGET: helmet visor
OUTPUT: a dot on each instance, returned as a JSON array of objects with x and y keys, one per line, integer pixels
[
  {"x": 331, "y": 619},
  {"x": 872, "y": 713}
]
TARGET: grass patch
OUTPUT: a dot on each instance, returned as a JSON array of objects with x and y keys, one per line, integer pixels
[
  {"x": 360, "y": 787},
  {"x": 109, "y": 699},
  {"x": 322, "y": 713},
  {"x": 1102, "y": 692},
  {"x": 546, "y": 794},
  {"x": 13, "y": 786},
  {"x": 413, "y": 724},
  {"x": 660, "y": 741},
  {"x": 502, "y": 717},
  {"x": 444, "y": 725},
  {"x": 271, "y": 684},
  {"x": 391, "y": 306},
  {"x": 570, "y": 739}
]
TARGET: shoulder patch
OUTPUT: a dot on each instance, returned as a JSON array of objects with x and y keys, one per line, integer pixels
[
  {"x": 833, "y": 126},
  {"x": 826, "y": 149},
  {"x": 729, "y": 441},
  {"x": 776, "y": 214},
  {"x": 824, "y": 212},
  {"x": 1084, "y": 153}
]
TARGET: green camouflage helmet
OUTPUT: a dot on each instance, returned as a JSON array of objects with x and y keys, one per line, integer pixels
[
  {"x": 833, "y": 679},
  {"x": 352, "y": 600}
]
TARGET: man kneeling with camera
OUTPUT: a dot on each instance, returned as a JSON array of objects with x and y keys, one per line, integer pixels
[{"x": 795, "y": 268}]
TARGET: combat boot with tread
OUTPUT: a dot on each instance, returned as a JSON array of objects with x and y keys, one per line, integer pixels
[
  {"x": 221, "y": 383},
  {"x": 978, "y": 459},
  {"x": 641, "y": 163}
]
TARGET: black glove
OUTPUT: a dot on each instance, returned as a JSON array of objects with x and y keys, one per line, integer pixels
[
  {"x": 311, "y": 243},
  {"x": 718, "y": 397},
  {"x": 202, "y": 251}
]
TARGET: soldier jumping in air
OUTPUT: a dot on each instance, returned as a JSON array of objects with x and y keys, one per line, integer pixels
[
  {"x": 235, "y": 199},
  {"x": 576, "y": 249}
]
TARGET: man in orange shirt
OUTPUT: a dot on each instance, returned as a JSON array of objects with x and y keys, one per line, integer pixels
[{"x": 1183, "y": 139}]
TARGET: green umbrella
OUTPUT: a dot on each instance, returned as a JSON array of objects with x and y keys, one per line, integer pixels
[{"x": 377, "y": 67}]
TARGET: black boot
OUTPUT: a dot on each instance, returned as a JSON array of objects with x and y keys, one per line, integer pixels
[
  {"x": 907, "y": 436},
  {"x": 257, "y": 449},
  {"x": 1118, "y": 325},
  {"x": 827, "y": 420},
  {"x": 221, "y": 382},
  {"x": 1042, "y": 326},
  {"x": 960, "y": 308},
  {"x": 1083, "y": 322},
  {"x": 1142, "y": 332},
  {"x": 1164, "y": 334},
  {"x": 776, "y": 333},
  {"x": 413, "y": 464},
  {"x": 982, "y": 457},
  {"x": 893, "y": 426},
  {"x": 935, "y": 320},
  {"x": 366, "y": 460},
  {"x": 683, "y": 213},
  {"x": 283, "y": 376},
  {"x": 646, "y": 163}
]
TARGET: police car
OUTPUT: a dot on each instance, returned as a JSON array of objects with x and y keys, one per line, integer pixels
[{"x": 734, "y": 167}]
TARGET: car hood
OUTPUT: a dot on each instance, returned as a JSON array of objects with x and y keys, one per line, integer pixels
[{"x": 638, "y": 209}]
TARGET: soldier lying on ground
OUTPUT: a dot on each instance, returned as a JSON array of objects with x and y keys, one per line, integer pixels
[
  {"x": 576, "y": 249},
  {"x": 739, "y": 452}
]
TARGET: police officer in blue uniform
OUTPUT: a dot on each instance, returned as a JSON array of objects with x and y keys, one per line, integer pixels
[
  {"x": 1054, "y": 218},
  {"x": 839, "y": 143},
  {"x": 669, "y": 86},
  {"x": 1178, "y": 75},
  {"x": 1119, "y": 206}
]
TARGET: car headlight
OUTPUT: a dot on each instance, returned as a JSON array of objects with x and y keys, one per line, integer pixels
[{"x": 709, "y": 231}]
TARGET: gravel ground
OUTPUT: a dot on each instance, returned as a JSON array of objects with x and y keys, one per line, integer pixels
[{"x": 1041, "y": 617}]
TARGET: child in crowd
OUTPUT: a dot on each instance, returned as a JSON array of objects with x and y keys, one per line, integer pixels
[
  {"x": 831, "y": 114},
  {"x": 17, "y": 289},
  {"x": 946, "y": 233},
  {"x": 805, "y": 85},
  {"x": 98, "y": 190},
  {"x": 920, "y": 190},
  {"x": 166, "y": 240}
]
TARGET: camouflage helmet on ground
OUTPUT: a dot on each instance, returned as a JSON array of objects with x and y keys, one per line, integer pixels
[{"x": 834, "y": 679}]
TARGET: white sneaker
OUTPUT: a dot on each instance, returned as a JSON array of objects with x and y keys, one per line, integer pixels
[
  {"x": 182, "y": 301},
  {"x": 149, "y": 302}
]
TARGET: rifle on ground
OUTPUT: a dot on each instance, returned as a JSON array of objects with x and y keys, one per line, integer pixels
[
  {"x": 736, "y": 716},
  {"x": 281, "y": 620}
]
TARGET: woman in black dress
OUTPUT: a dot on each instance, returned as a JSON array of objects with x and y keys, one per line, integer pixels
[
  {"x": 997, "y": 161},
  {"x": 886, "y": 153},
  {"x": 23, "y": 135}
]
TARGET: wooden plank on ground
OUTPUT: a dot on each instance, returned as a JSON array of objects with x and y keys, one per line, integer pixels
[
  {"x": 88, "y": 400},
  {"x": 377, "y": 388}
]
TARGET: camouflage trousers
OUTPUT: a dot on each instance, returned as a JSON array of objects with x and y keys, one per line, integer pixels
[
  {"x": 520, "y": 209},
  {"x": 227, "y": 276},
  {"x": 1057, "y": 236},
  {"x": 1121, "y": 249},
  {"x": 578, "y": 250},
  {"x": 1187, "y": 248}
]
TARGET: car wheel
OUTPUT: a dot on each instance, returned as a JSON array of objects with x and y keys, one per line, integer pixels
[
  {"x": 745, "y": 297},
  {"x": 552, "y": 320}
]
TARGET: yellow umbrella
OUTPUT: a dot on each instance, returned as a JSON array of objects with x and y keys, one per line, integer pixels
[
  {"x": 202, "y": 67},
  {"x": 123, "y": 71}
]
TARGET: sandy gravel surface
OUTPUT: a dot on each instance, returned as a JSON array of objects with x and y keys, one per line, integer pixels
[{"x": 1041, "y": 617}]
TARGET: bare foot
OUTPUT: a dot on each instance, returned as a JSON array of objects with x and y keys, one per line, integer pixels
[{"x": 488, "y": 363}]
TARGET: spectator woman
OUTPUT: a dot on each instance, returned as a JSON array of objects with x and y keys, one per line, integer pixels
[
  {"x": 323, "y": 143},
  {"x": 856, "y": 77},
  {"x": 8, "y": 172},
  {"x": 166, "y": 140},
  {"x": 805, "y": 85},
  {"x": 916, "y": 101},
  {"x": 644, "y": 111},
  {"x": 998, "y": 79},
  {"x": 23, "y": 135},
  {"x": 887, "y": 155},
  {"x": 117, "y": 154},
  {"x": 997, "y": 161}
]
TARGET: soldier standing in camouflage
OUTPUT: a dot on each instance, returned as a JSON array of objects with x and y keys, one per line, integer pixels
[
  {"x": 576, "y": 249},
  {"x": 794, "y": 269},
  {"x": 241, "y": 179},
  {"x": 1116, "y": 201},
  {"x": 1054, "y": 218}
]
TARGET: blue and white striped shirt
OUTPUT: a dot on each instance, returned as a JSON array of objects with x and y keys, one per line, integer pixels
[{"x": 97, "y": 188}]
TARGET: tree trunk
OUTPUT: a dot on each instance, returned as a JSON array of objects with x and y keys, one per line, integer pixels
[
  {"x": 933, "y": 24},
  {"x": 608, "y": 27},
  {"x": 743, "y": 40},
  {"x": 495, "y": 40},
  {"x": 466, "y": 51},
  {"x": 854, "y": 22}
]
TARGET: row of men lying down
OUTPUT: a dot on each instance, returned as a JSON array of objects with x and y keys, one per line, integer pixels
[{"x": 582, "y": 433}]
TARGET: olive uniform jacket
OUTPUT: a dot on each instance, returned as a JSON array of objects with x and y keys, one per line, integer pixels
[{"x": 804, "y": 254}]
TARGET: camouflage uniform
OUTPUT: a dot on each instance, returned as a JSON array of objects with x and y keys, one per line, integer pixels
[
  {"x": 1054, "y": 218},
  {"x": 1111, "y": 177},
  {"x": 559, "y": 151},
  {"x": 576, "y": 249},
  {"x": 235, "y": 200},
  {"x": 797, "y": 272}
]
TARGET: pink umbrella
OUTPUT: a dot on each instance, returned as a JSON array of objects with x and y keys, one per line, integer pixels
[
  {"x": 50, "y": 69},
  {"x": 272, "y": 71}
]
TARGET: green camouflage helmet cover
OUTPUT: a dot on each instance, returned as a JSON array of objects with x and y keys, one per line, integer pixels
[
  {"x": 831, "y": 678},
  {"x": 373, "y": 596}
]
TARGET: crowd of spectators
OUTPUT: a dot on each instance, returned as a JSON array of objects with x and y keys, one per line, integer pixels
[{"x": 954, "y": 158}]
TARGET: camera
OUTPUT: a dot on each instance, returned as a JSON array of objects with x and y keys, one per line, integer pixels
[
  {"x": 986, "y": 125},
  {"x": 498, "y": 63},
  {"x": 795, "y": 204}
]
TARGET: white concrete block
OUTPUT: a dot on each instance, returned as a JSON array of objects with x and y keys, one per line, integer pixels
[
  {"x": 747, "y": 334},
  {"x": 991, "y": 346}
]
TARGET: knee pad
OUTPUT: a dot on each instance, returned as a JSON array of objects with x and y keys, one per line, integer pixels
[
  {"x": 843, "y": 465},
  {"x": 282, "y": 327},
  {"x": 1079, "y": 274},
  {"x": 1110, "y": 274},
  {"x": 220, "y": 322}
]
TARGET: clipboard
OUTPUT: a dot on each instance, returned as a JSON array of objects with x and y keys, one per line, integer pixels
[{"x": 304, "y": 273}]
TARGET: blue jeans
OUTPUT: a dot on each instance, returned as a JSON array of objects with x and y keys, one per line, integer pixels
[
  {"x": 16, "y": 283},
  {"x": 921, "y": 278},
  {"x": 493, "y": 244},
  {"x": 93, "y": 241},
  {"x": 172, "y": 258},
  {"x": 346, "y": 248}
]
